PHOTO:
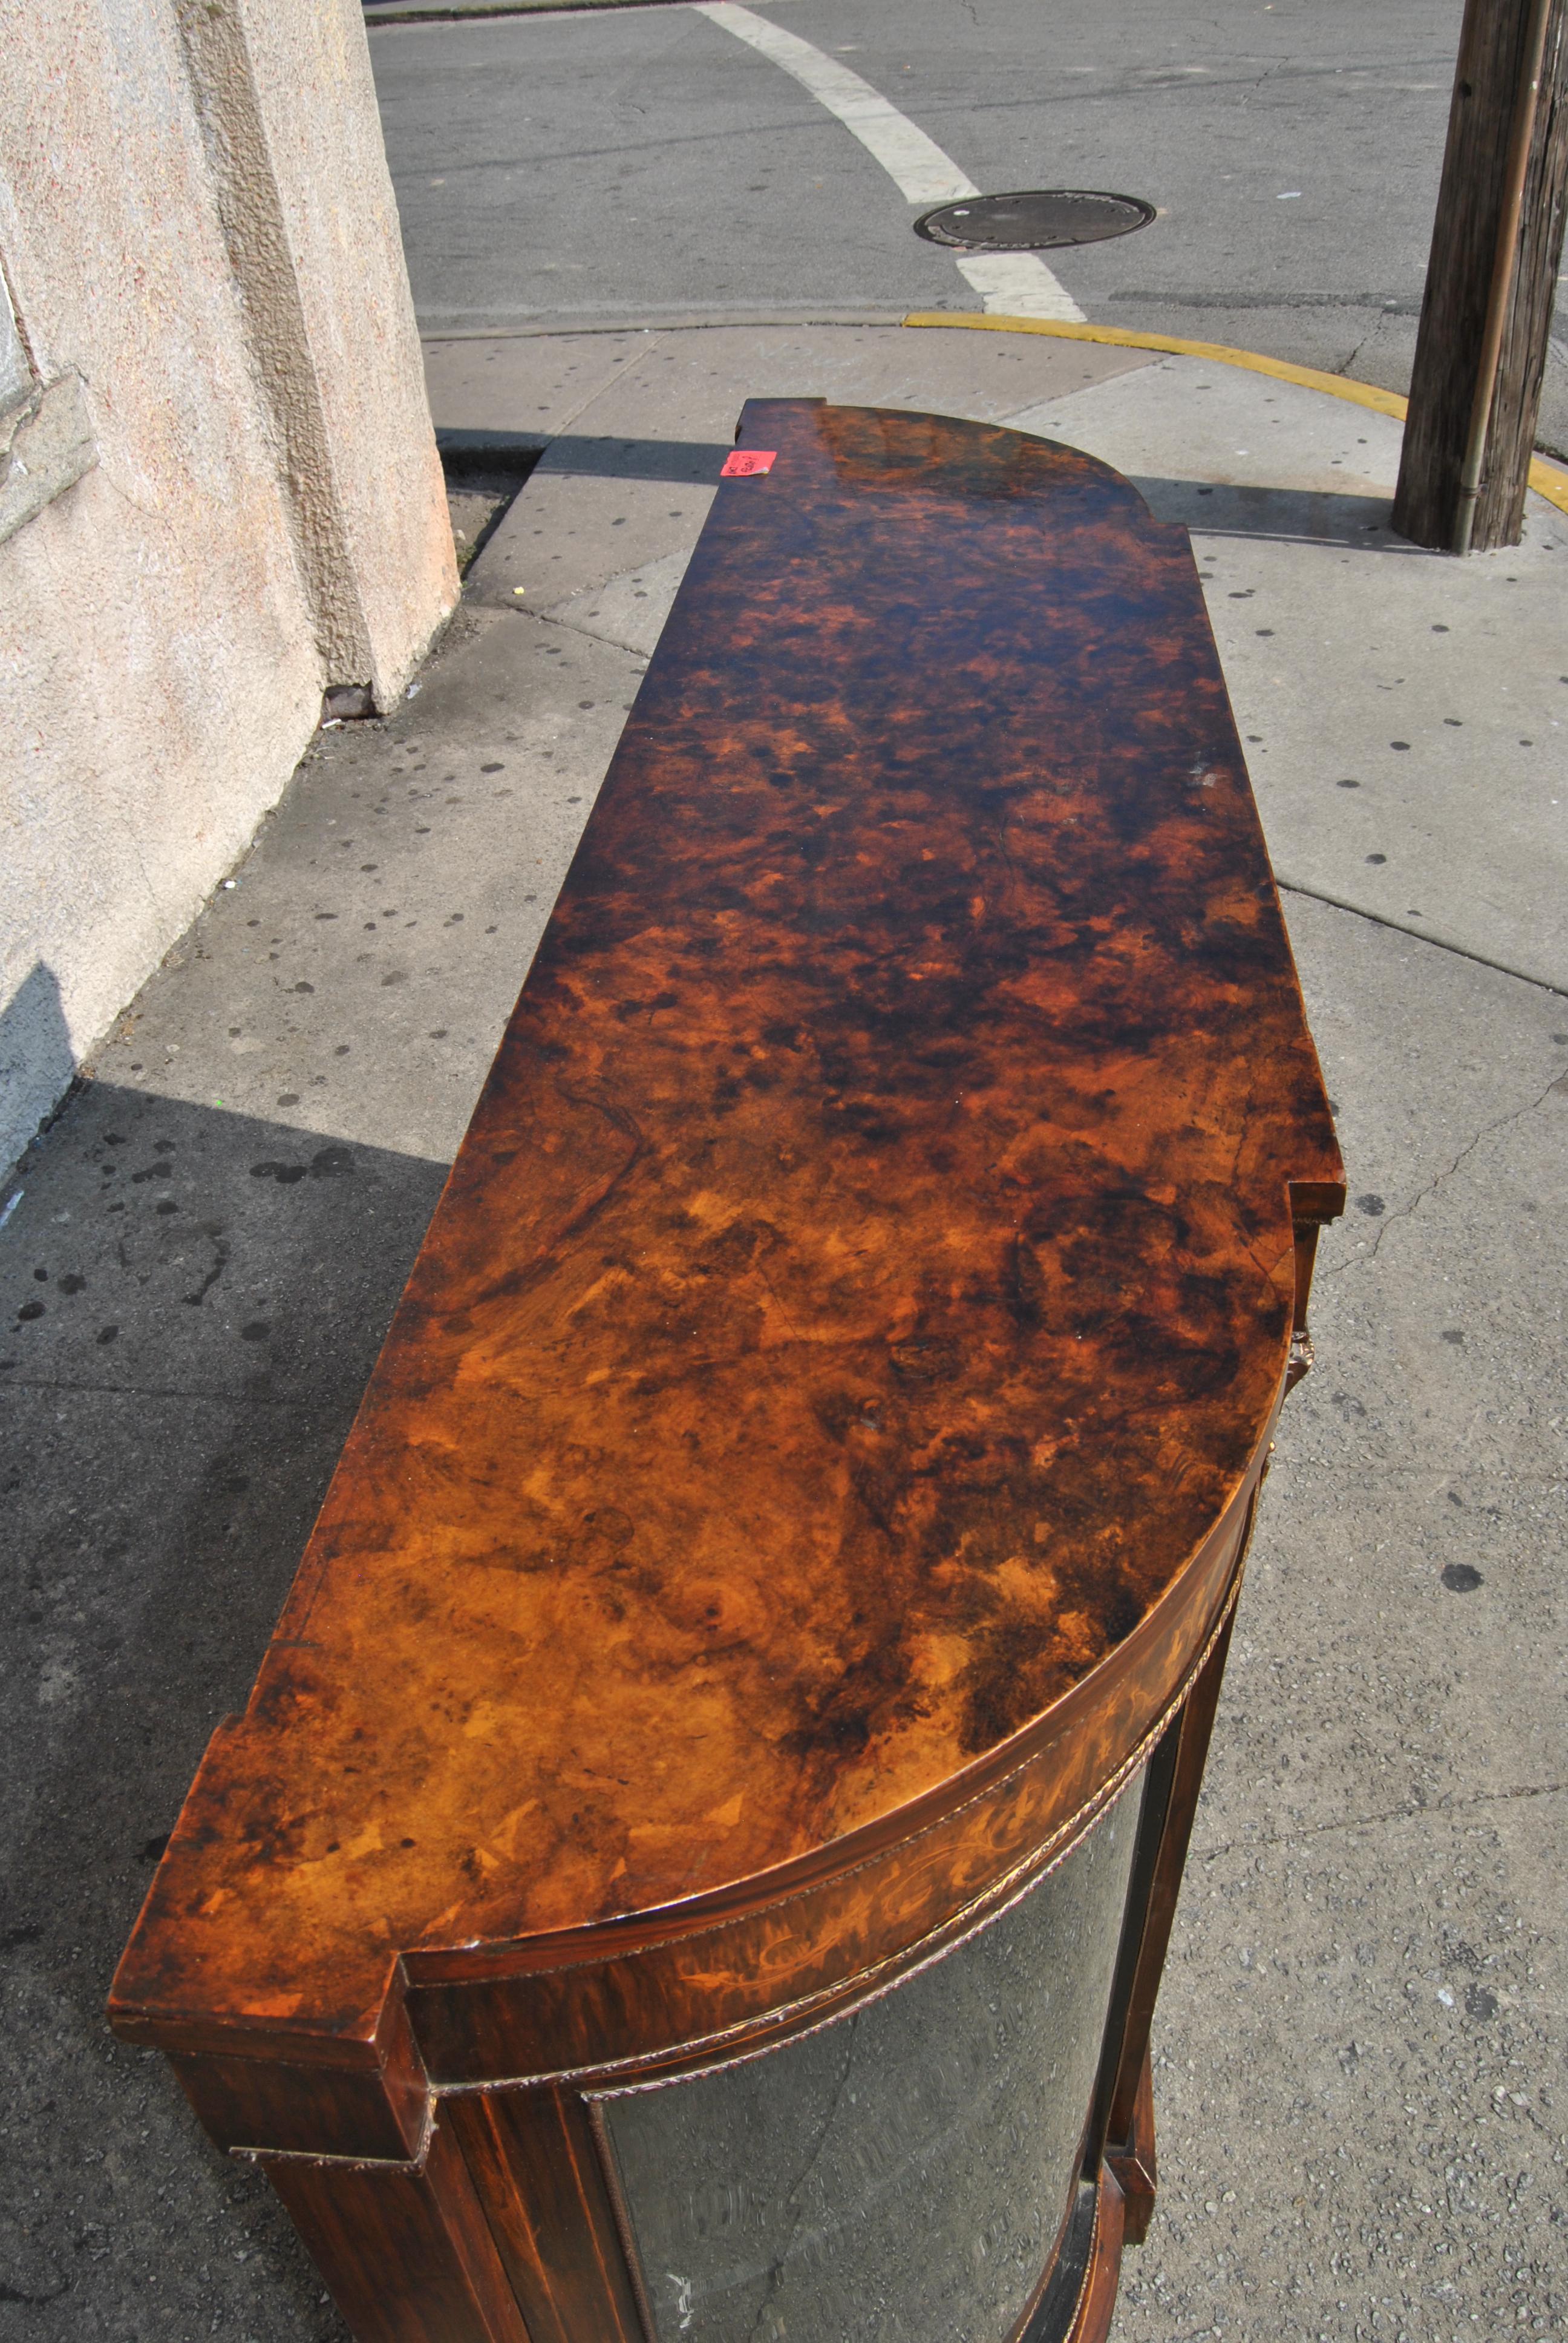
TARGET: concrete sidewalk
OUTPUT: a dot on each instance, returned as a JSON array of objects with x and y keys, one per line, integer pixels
[{"x": 1360, "y": 2086}]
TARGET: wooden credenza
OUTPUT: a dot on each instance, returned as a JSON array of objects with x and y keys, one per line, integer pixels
[{"x": 699, "y": 1857}]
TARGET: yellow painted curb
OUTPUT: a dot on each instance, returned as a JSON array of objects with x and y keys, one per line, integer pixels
[{"x": 1547, "y": 479}]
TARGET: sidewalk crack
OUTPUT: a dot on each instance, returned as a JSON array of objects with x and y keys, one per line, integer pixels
[
  {"x": 153, "y": 1390},
  {"x": 1364, "y": 1261},
  {"x": 1394, "y": 1815}
]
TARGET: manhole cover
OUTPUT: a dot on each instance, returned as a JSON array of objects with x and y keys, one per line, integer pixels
[{"x": 1034, "y": 220}]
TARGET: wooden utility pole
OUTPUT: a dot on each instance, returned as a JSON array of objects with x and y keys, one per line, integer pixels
[{"x": 1496, "y": 248}]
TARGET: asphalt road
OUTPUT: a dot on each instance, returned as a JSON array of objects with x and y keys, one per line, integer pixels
[{"x": 635, "y": 164}]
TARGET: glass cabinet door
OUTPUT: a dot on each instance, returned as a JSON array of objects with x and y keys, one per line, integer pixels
[{"x": 900, "y": 2174}]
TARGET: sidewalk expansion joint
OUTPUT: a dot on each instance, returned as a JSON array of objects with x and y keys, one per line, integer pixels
[{"x": 1421, "y": 936}]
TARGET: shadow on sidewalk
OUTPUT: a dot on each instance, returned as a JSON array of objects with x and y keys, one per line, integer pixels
[
  {"x": 1215, "y": 508},
  {"x": 1296, "y": 516},
  {"x": 684, "y": 461},
  {"x": 193, "y": 1302},
  {"x": 37, "y": 1063}
]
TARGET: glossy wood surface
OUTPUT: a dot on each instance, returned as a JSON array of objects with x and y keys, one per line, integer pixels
[
  {"x": 1133, "y": 2163},
  {"x": 672, "y": 1985},
  {"x": 860, "y": 1303},
  {"x": 1091, "y": 2320},
  {"x": 540, "y": 2173},
  {"x": 1130, "y": 2107},
  {"x": 408, "y": 2253}
]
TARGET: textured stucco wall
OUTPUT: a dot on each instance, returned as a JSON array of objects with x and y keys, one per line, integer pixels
[
  {"x": 169, "y": 622},
  {"x": 343, "y": 237}
]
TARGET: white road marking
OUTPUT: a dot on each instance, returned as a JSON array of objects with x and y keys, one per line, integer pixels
[
  {"x": 915, "y": 164},
  {"x": 1017, "y": 282}
]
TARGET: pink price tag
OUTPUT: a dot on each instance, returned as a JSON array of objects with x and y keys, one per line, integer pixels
[{"x": 746, "y": 461}]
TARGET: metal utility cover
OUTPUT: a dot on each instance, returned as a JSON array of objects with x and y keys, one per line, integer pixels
[{"x": 1033, "y": 220}]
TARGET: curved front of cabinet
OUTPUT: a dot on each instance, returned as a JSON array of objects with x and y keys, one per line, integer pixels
[
  {"x": 905, "y": 2170},
  {"x": 933, "y": 2121},
  {"x": 955, "y": 2154}
]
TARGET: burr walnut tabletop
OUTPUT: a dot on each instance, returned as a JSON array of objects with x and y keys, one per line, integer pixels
[{"x": 867, "y": 1281}]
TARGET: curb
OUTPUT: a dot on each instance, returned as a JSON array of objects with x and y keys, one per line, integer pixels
[
  {"x": 480, "y": 12},
  {"x": 679, "y": 321},
  {"x": 1548, "y": 480}
]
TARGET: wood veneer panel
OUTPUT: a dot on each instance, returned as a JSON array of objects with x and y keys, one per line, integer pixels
[
  {"x": 537, "y": 2166},
  {"x": 1098, "y": 2301},
  {"x": 312, "y": 2106},
  {"x": 1193, "y": 1732},
  {"x": 1133, "y": 2162},
  {"x": 570, "y": 2005},
  {"x": 405, "y": 2249},
  {"x": 865, "y": 1285}
]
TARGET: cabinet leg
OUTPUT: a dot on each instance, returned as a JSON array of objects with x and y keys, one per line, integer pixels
[
  {"x": 536, "y": 2166},
  {"x": 404, "y": 2248},
  {"x": 1133, "y": 2162}
]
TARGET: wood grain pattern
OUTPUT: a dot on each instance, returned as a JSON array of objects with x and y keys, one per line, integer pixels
[
  {"x": 537, "y": 2169},
  {"x": 1159, "y": 1915},
  {"x": 1133, "y": 2162},
  {"x": 407, "y": 2250},
  {"x": 669, "y": 1988},
  {"x": 1487, "y": 89},
  {"x": 367, "y": 2098},
  {"x": 860, "y": 1300},
  {"x": 1091, "y": 2323}
]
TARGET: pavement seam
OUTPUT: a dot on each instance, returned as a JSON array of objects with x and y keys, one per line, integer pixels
[
  {"x": 1421, "y": 936},
  {"x": 575, "y": 414},
  {"x": 571, "y": 627}
]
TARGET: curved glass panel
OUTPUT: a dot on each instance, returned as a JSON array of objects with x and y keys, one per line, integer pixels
[{"x": 901, "y": 2174}]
